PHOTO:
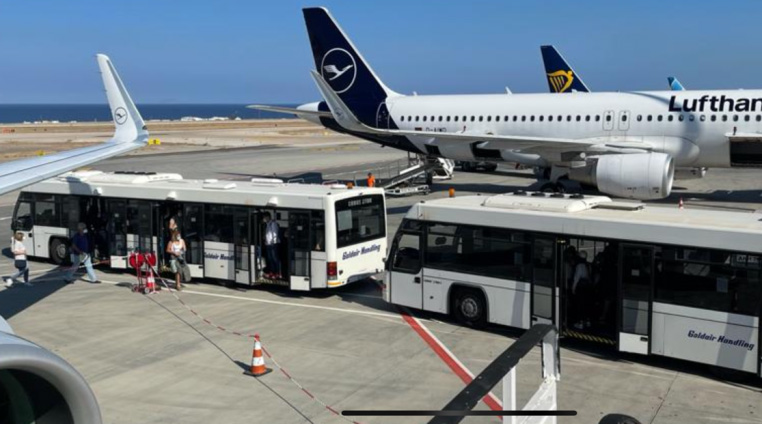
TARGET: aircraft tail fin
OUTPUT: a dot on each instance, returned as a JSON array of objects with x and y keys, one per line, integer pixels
[
  {"x": 674, "y": 84},
  {"x": 561, "y": 76},
  {"x": 344, "y": 69},
  {"x": 129, "y": 124}
]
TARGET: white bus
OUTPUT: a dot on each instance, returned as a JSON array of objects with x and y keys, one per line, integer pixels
[
  {"x": 330, "y": 235},
  {"x": 651, "y": 280}
]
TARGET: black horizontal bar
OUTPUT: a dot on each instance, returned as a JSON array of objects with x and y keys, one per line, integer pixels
[{"x": 451, "y": 413}]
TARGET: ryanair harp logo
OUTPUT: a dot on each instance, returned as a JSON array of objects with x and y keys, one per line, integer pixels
[{"x": 561, "y": 80}]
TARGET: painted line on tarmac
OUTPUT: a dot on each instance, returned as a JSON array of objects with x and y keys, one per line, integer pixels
[
  {"x": 5, "y": 218},
  {"x": 447, "y": 356}
]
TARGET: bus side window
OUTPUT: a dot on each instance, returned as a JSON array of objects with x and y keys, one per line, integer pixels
[
  {"x": 22, "y": 220},
  {"x": 407, "y": 254},
  {"x": 46, "y": 211}
]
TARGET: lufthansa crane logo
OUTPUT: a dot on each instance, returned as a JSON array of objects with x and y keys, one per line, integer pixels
[
  {"x": 339, "y": 69},
  {"x": 561, "y": 80},
  {"x": 120, "y": 115}
]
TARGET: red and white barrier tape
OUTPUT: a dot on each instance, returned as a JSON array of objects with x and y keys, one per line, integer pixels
[{"x": 264, "y": 349}]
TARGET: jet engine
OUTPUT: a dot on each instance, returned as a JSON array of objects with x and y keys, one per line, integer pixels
[
  {"x": 36, "y": 386},
  {"x": 642, "y": 176}
]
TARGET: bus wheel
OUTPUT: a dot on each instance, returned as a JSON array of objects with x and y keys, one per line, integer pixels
[
  {"x": 470, "y": 307},
  {"x": 59, "y": 251},
  {"x": 492, "y": 167}
]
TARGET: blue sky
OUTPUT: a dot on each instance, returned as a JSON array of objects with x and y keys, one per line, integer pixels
[{"x": 233, "y": 51}]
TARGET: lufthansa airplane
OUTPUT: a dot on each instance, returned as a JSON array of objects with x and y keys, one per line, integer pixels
[
  {"x": 130, "y": 134},
  {"x": 627, "y": 144}
]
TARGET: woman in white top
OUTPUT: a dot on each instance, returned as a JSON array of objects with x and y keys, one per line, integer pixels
[
  {"x": 20, "y": 262},
  {"x": 176, "y": 251}
]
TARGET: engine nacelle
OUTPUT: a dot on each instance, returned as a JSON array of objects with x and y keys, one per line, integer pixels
[
  {"x": 38, "y": 386},
  {"x": 642, "y": 176}
]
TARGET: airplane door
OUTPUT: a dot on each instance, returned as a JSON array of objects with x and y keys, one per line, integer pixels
[
  {"x": 624, "y": 120},
  {"x": 382, "y": 116},
  {"x": 608, "y": 120}
]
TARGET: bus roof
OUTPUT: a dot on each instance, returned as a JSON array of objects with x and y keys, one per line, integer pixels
[
  {"x": 168, "y": 186},
  {"x": 600, "y": 217}
]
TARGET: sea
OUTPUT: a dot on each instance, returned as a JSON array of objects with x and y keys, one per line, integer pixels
[{"x": 20, "y": 113}]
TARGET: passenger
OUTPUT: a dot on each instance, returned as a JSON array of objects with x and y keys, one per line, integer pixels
[
  {"x": 580, "y": 291},
  {"x": 272, "y": 240},
  {"x": 80, "y": 253},
  {"x": 371, "y": 180},
  {"x": 176, "y": 251},
  {"x": 20, "y": 262}
]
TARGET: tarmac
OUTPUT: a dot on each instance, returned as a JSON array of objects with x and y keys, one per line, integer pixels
[{"x": 149, "y": 359}]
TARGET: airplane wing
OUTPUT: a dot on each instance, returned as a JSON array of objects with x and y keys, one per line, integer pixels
[
  {"x": 346, "y": 119},
  {"x": 290, "y": 110},
  {"x": 130, "y": 134}
]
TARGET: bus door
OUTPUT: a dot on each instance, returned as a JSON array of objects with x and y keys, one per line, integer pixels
[
  {"x": 635, "y": 286},
  {"x": 256, "y": 252},
  {"x": 192, "y": 230},
  {"x": 544, "y": 290},
  {"x": 117, "y": 232},
  {"x": 243, "y": 245},
  {"x": 299, "y": 250},
  {"x": 405, "y": 270},
  {"x": 23, "y": 221}
]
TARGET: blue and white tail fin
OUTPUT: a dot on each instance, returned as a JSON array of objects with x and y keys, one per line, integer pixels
[
  {"x": 674, "y": 84},
  {"x": 342, "y": 66},
  {"x": 129, "y": 124},
  {"x": 561, "y": 77}
]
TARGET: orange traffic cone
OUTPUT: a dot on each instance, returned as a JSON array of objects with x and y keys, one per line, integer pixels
[
  {"x": 680, "y": 204},
  {"x": 150, "y": 282},
  {"x": 258, "y": 368}
]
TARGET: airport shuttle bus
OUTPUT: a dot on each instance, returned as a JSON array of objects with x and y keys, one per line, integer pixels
[
  {"x": 330, "y": 235},
  {"x": 651, "y": 280}
]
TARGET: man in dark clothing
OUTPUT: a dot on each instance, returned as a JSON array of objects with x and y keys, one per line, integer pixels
[{"x": 80, "y": 253}]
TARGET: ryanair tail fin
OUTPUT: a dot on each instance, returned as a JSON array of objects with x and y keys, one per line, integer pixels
[
  {"x": 674, "y": 84},
  {"x": 344, "y": 69},
  {"x": 561, "y": 77},
  {"x": 129, "y": 124}
]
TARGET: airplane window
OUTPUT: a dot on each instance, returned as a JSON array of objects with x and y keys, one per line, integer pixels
[
  {"x": 440, "y": 119},
  {"x": 724, "y": 118},
  {"x": 587, "y": 118},
  {"x": 456, "y": 119},
  {"x": 640, "y": 118},
  {"x": 713, "y": 118},
  {"x": 465, "y": 118},
  {"x": 550, "y": 118},
  {"x": 448, "y": 118},
  {"x": 759, "y": 118},
  {"x": 515, "y": 118},
  {"x": 481, "y": 118},
  {"x": 597, "y": 118},
  {"x": 658, "y": 118},
  {"x": 746, "y": 118},
  {"x": 489, "y": 118},
  {"x": 568, "y": 118},
  {"x": 649, "y": 118},
  {"x": 523, "y": 118},
  {"x": 424, "y": 119},
  {"x": 702, "y": 118},
  {"x": 432, "y": 119},
  {"x": 608, "y": 118},
  {"x": 541, "y": 118},
  {"x": 735, "y": 118},
  {"x": 680, "y": 118},
  {"x": 473, "y": 118},
  {"x": 578, "y": 118},
  {"x": 560, "y": 118},
  {"x": 402, "y": 118},
  {"x": 670, "y": 118},
  {"x": 416, "y": 119},
  {"x": 691, "y": 117},
  {"x": 531, "y": 118},
  {"x": 624, "y": 118},
  {"x": 505, "y": 118}
]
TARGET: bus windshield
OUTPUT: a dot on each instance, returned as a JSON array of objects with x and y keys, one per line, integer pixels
[{"x": 360, "y": 219}]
